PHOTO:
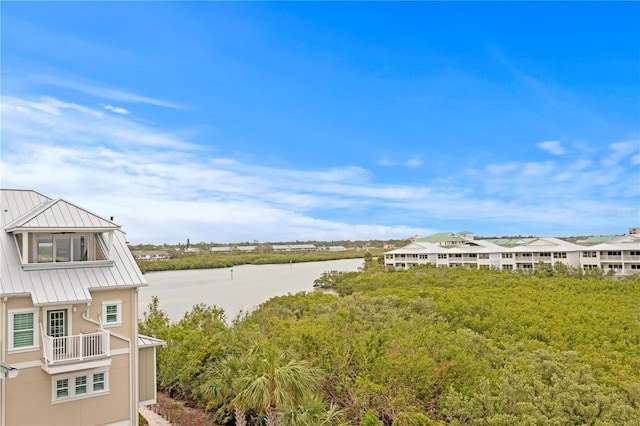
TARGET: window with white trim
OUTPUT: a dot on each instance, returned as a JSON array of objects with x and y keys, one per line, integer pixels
[
  {"x": 112, "y": 313},
  {"x": 79, "y": 385},
  {"x": 23, "y": 330},
  {"x": 62, "y": 248}
]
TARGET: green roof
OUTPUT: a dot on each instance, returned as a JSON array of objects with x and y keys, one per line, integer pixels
[
  {"x": 441, "y": 237},
  {"x": 597, "y": 239}
]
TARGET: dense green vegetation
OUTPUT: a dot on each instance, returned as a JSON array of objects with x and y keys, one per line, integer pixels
[
  {"x": 226, "y": 260},
  {"x": 417, "y": 347}
]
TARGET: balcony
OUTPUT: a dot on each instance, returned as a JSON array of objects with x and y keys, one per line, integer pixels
[{"x": 69, "y": 353}]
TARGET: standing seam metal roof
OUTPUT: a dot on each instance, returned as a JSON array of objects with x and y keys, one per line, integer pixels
[{"x": 31, "y": 211}]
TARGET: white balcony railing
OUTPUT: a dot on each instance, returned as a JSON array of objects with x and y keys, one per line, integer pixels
[{"x": 76, "y": 348}]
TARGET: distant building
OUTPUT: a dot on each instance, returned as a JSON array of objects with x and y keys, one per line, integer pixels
[
  {"x": 620, "y": 254},
  {"x": 278, "y": 248},
  {"x": 443, "y": 239},
  {"x": 634, "y": 231},
  {"x": 222, "y": 249},
  {"x": 150, "y": 255}
]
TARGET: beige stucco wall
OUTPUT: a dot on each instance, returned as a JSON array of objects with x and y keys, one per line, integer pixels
[
  {"x": 147, "y": 373},
  {"x": 29, "y": 400},
  {"x": 29, "y": 396}
]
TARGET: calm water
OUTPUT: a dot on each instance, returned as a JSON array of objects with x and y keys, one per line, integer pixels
[{"x": 243, "y": 290}]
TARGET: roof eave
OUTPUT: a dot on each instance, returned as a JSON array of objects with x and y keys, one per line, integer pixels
[{"x": 61, "y": 229}]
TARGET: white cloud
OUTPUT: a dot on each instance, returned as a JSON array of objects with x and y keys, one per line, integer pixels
[
  {"x": 164, "y": 188},
  {"x": 552, "y": 147},
  {"x": 537, "y": 169},
  {"x": 411, "y": 162},
  {"x": 117, "y": 110},
  {"x": 101, "y": 91},
  {"x": 620, "y": 150},
  {"x": 498, "y": 169}
]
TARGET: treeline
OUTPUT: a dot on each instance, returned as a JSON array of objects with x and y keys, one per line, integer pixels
[
  {"x": 227, "y": 260},
  {"x": 418, "y": 347}
]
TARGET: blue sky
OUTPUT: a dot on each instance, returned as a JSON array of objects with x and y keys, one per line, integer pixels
[{"x": 283, "y": 121}]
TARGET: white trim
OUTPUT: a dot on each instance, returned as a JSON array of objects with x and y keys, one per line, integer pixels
[
  {"x": 147, "y": 402},
  {"x": 75, "y": 366},
  {"x": 67, "y": 265},
  {"x": 118, "y": 305},
  {"x": 29, "y": 364},
  {"x": 123, "y": 351},
  {"x": 36, "y": 331},
  {"x": 67, "y": 318},
  {"x": 72, "y": 386}
]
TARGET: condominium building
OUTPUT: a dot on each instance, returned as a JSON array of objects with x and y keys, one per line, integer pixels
[{"x": 619, "y": 254}]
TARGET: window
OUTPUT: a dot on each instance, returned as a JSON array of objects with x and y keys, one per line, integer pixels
[
  {"x": 560, "y": 255},
  {"x": 61, "y": 248},
  {"x": 62, "y": 388},
  {"x": 45, "y": 249},
  {"x": 98, "y": 382},
  {"x": 442, "y": 255},
  {"x": 23, "y": 329},
  {"x": 589, "y": 254},
  {"x": 112, "y": 313},
  {"x": 634, "y": 253},
  {"x": 507, "y": 255},
  {"x": 79, "y": 385},
  {"x": 526, "y": 255},
  {"x": 614, "y": 253},
  {"x": 483, "y": 256},
  {"x": 615, "y": 266},
  {"x": 545, "y": 254},
  {"x": 634, "y": 266},
  {"x": 526, "y": 266},
  {"x": 585, "y": 267},
  {"x": 507, "y": 266}
]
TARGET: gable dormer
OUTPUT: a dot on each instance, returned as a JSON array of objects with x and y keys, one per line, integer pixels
[{"x": 58, "y": 235}]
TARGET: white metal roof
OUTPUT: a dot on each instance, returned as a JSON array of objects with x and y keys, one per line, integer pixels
[
  {"x": 25, "y": 210},
  {"x": 148, "y": 341},
  {"x": 544, "y": 245}
]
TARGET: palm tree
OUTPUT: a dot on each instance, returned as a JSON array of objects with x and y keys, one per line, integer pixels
[
  {"x": 221, "y": 385},
  {"x": 265, "y": 380},
  {"x": 312, "y": 411},
  {"x": 272, "y": 383}
]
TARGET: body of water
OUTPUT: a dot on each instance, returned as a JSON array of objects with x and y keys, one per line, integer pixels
[{"x": 238, "y": 289}]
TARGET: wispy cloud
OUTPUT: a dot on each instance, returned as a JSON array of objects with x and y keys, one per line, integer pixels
[
  {"x": 498, "y": 169},
  {"x": 101, "y": 91},
  {"x": 117, "y": 110},
  {"x": 411, "y": 162},
  {"x": 620, "y": 150},
  {"x": 552, "y": 147},
  {"x": 165, "y": 188}
]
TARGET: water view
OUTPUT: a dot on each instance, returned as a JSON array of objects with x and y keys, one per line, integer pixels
[{"x": 238, "y": 289}]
